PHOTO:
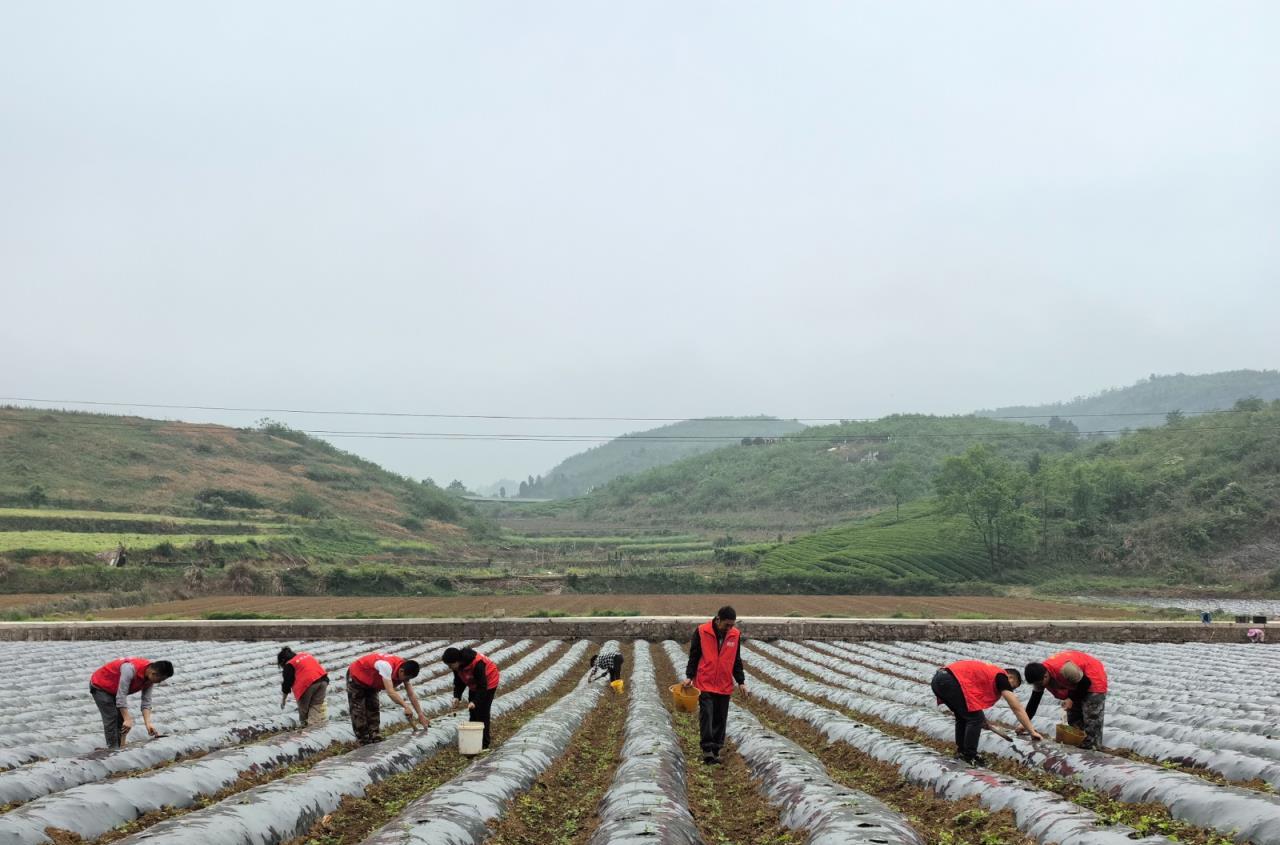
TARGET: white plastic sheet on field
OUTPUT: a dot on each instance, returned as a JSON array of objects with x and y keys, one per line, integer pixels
[
  {"x": 647, "y": 803},
  {"x": 797, "y": 784},
  {"x": 459, "y": 812},
  {"x": 95, "y": 808},
  {"x": 1243, "y": 813},
  {"x": 288, "y": 807}
]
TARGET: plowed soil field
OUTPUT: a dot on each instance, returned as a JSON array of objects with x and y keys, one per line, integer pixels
[{"x": 303, "y": 607}]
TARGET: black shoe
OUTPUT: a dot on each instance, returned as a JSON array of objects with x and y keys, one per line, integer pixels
[
  {"x": 974, "y": 759},
  {"x": 715, "y": 760},
  {"x": 710, "y": 759}
]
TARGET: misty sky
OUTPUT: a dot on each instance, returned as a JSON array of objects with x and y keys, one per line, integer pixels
[{"x": 812, "y": 209}]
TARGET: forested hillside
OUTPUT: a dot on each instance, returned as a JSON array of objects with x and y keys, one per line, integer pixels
[
  {"x": 1193, "y": 503},
  {"x": 640, "y": 451},
  {"x": 812, "y": 478},
  {"x": 1129, "y": 407}
]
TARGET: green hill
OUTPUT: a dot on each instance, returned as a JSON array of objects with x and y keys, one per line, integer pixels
[
  {"x": 644, "y": 450},
  {"x": 1123, "y": 408},
  {"x": 1193, "y": 504},
  {"x": 100, "y": 463},
  {"x": 817, "y": 477}
]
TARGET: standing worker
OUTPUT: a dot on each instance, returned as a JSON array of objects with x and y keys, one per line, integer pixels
[
  {"x": 968, "y": 687},
  {"x": 306, "y": 679},
  {"x": 111, "y": 687},
  {"x": 715, "y": 668},
  {"x": 371, "y": 674},
  {"x": 1080, "y": 681},
  {"x": 478, "y": 675}
]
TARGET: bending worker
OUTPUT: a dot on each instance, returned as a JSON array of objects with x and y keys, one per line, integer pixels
[
  {"x": 478, "y": 675},
  {"x": 111, "y": 687},
  {"x": 968, "y": 687},
  {"x": 1079, "y": 680},
  {"x": 369, "y": 675},
  {"x": 606, "y": 664},
  {"x": 715, "y": 668},
  {"x": 306, "y": 679}
]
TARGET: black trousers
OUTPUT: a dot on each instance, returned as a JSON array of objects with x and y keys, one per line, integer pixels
[
  {"x": 713, "y": 716},
  {"x": 968, "y": 722},
  {"x": 483, "y": 701},
  {"x": 112, "y": 721}
]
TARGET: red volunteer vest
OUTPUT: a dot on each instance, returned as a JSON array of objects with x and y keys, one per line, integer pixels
[
  {"x": 362, "y": 669},
  {"x": 978, "y": 682},
  {"x": 715, "y": 669},
  {"x": 107, "y": 678},
  {"x": 1090, "y": 665},
  {"x": 306, "y": 671},
  {"x": 483, "y": 665}
]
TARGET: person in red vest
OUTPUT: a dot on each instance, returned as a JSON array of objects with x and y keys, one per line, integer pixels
[
  {"x": 715, "y": 669},
  {"x": 967, "y": 688},
  {"x": 306, "y": 679},
  {"x": 1079, "y": 680},
  {"x": 369, "y": 675},
  {"x": 478, "y": 675},
  {"x": 111, "y": 687}
]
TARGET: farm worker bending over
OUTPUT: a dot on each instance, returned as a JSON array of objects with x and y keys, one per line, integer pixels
[
  {"x": 715, "y": 668},
  {"x": 969, "y": 687},
  {"x": 1080, "y": 681},
  {"x": 369, "y": 675},
  {"x": 608, "y": 664},
  {"x": 306, "y": 679},
  {"x": 111, "y": 687},
  {"x": 478, "y": 675}
]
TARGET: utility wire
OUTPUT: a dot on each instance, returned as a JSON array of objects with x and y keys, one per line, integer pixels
[{"x": 553, "y": 418}]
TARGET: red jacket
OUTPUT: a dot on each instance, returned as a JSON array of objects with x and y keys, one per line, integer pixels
[
  {"x": 362, "y": 670},
  {"x": 715, "y": 669},
  {"x": 1090, "y": 665},
  {"x": 480, "y": 669},
  {"x": 978, "y": 682},
  {"x": 107, "y": 678},
  {"x": 306, "y": 671}
]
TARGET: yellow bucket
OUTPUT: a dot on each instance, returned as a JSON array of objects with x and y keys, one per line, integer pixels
[
  {"x": 1068, "y": 735},
  {"x": 685, "y": 699},
  {"x": 618, "y": 685}
]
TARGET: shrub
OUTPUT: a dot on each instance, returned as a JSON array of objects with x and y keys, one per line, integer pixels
[{"x": 305, "y": 504}]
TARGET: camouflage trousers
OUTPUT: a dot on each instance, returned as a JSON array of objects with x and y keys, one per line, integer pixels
[
  {"x": 1087, "y": 714},
  {"x": 363, "y": 703}
]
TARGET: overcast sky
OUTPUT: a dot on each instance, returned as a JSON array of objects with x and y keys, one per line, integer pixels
[{"x": 675, "y": 209}]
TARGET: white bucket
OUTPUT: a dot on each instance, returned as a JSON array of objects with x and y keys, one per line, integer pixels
[{"x": 470, "y": 738}]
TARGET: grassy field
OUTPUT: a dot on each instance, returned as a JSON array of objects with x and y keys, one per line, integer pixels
[
  {"x": 75, "y": 541},
  {"x": 952, "y": 607}
]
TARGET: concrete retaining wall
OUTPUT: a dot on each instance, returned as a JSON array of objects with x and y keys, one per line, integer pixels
[{"x": 626, "y": 628}]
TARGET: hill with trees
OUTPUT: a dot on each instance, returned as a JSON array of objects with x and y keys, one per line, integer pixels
[
  {"x": 98, "y": 462},
  {"x": 1121, "y": 408},
  {"x": 1190, "y": 504},
  {"x": 817, "y": 477},
  {"x": 639, "y": 451}
]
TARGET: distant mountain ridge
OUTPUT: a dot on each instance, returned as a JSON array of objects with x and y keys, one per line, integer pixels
[
  {"x": 644, "y": 450},
  {"x": 1119, "y": 408}
]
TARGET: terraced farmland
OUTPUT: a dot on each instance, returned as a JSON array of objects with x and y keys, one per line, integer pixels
[{"x": 839, "y": 742}]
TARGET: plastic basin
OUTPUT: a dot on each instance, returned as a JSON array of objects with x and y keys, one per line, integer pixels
[{"x": 685, "y": 699}]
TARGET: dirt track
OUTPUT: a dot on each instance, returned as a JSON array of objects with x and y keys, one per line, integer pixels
[{"x": 640, "y": 605}]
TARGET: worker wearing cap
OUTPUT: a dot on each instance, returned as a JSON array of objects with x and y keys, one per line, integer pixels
[{"x": 1079, "y": 680}]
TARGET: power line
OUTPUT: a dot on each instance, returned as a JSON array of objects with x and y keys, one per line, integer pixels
[
  {"x": 424, "y": 415},
  {"x": 833, "y": 438}
]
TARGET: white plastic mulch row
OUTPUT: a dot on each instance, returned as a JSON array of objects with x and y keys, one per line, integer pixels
[
  {"x": 93, "y": 809},
  {"x": 1239, "y": 812},
  {"x": 797, "y": 783},
  {"x": 647, "y": 803},
  {"x": 459, "y": 812},
  {"x": 288, "y": 807}
]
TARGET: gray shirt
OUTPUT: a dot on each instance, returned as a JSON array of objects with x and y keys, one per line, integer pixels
[{"x": 122, "y": 692}]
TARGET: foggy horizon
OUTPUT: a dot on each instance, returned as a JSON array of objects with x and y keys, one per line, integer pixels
[{"x": 832, "y": 210}]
